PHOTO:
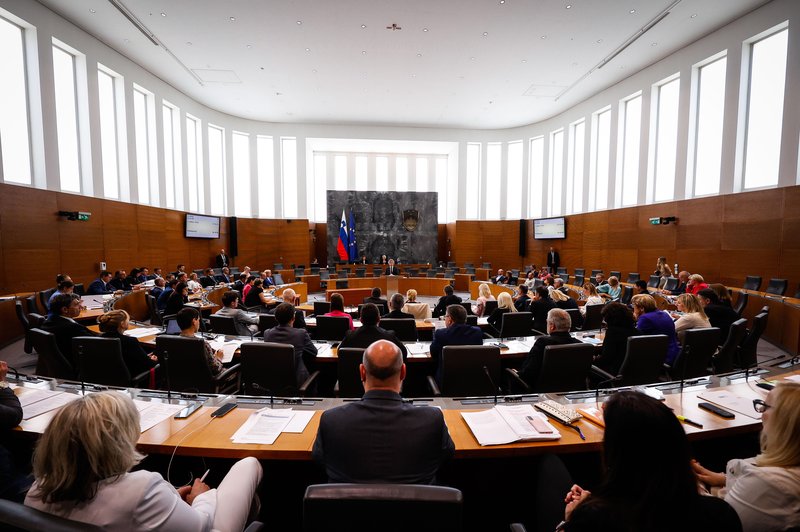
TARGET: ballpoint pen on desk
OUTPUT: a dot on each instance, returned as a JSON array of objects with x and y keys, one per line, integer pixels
[{"x": 689, "y": 421}]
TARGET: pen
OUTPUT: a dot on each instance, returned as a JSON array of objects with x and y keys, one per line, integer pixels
[
  {"x": 203, "y": 478},
  {"x": 689, "y": 421}
]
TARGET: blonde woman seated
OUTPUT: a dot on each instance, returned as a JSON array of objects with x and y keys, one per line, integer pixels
[
  {"x": 420, "y": 311},
  {"x": 612, "y": 288},
  {"x": 82, "y": 468},
  {"x": 692, "y": 317},
  {"x": 592, "y": 297},
  {"x": 765, "y": 490},
  {"x": 504, "y": 304},
  {"x": 484, "y": 295}
]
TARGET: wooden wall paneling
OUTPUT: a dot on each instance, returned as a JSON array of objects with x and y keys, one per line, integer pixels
[
  {"x": 293, "y": 242},
  {"x": 321, "y": 245},
  {"x": 656, "y": 240},
  {"x": 740, "y": 263},
  {"x": 789, "y": 265},
  {"x": 82, "y": 242},
  {"x": 152, "y": 244},
  {"x": 267, "y": 244},
  {"x": 501, "y": 244},
  {"x": 213, "y": 245},
  {"x": 4, "y": 284},
  {"x": 247, "y": 233},
  {"x": 120, "y": 236},
  {"x": 468, "y": 246},
  {"x": 449, "y": 245},
  {"x": 706, "y": 262}
]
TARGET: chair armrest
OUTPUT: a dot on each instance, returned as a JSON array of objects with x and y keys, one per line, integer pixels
[
  {"x": 603, "y": 374},
  {"x": 513, "y": 527},
  {"x": 228, "y": 373},
  {"x": 515, "y": 382},
  {"x": 435, "y": 391},
  {"x": 487, "y": 335},
  {"x": 258, "y": 526},
  {"x": 311, "y": 378},
  {"x": 143, "y": 376}
]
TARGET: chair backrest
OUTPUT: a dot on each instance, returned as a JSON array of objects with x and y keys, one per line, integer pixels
[
  {"x": 361, "y": 272},
  {"x": 315, "y": 270},
  {"x": 223, "y": 325},
  {"x": 324, "y": 275},
  {"x": 489, "y": 307},
  {"x": 268, "y": 368},
  {"x": 463, "y": 370},
  {"x": 100, "y": 361},
  {"x": 30, "y": 304},
  {"x": 79, "y": 289},
  {"x": 342, "y": 274},
  {"x": 578, "y": 280},
  {"x": 469, "y": 264},
  {"x": 277, "y": 266},
  {"x": 347, "y": 374},
  {"x": 35, "y": 319},
  {"x": 593, "y": 319},
  {"x": 51, "y": 362},
  {"x": 321, "y": 307},
  {"x": 654, "y": 281},
  {"x": 486, "y": 265},
  {"x": 22, "y": 316},
  {"x": 777, "y": 286},
  {"x": 741, "y": 303},
  {"x": 278, "y": 278},
  {"x": 595, "y": 272},
  {"x": 15, "y": 516},
  {"x": 152, "y": 308},
  {"x": 470, "y": 270},
  {"x": 332, "y": 269},
  {"x": 299, "y": 271},
  {"x": 184, "y": 364},
  {"x": 451, "y": 264},
  {"x": 404, "y": 328},
  {"x": 671, "y": 283},
  {"x": 694, "y": 358},
  {"x": 468, "y": 307},
  {"x": 331, "y": 328},
  {"x": 513, "y": 324},
  {"x": 266, "y": 321},
  {"x": 632, "y": 277},
  {"x": 616, "y": 274},
  {"x": 725, "y": 358},
  {"x": 472, "y": 319},
  {"x": 748, "y": 349},
  {"x": 564, "y": 368},
  {"x": 361, "y": 506},
  {"x": 430, "y": 273},
  {"x": 580, "y": 271},
  {"x": 626, "y": 294},
  {"x": 44, "y": 297},
  {"x": 561, "y": 270},
  {"x": 644, "y": 360},
  {"x": 752, "y": 282},
  {"x": 575, "y": 318}
]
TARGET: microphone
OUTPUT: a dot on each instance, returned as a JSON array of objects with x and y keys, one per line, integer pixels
[
  {"x": 165, "y": 355},
  {"x": 491, "y": 381},
  {"x": 257, "y": 386},
  {"x": 80, "y": 372}
]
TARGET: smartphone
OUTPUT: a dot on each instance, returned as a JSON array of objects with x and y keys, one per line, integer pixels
[
  {"x": 224, "y": 409},
  {"x": 188, "y": 411}
]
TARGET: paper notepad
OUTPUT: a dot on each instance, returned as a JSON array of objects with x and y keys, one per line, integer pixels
[
  {"x": 152, "y": 413},
  {"x": 263, "y": 426},
  {"x": 731, "y": 401},
  {"x": 507, "y": 424},
  {"x": 418, "y": 349},
  {"x": 52, "y": 402}
]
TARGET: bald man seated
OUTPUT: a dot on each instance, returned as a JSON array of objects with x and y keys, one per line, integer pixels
[
  {"x": 290, "y": 296},
  {"x": 380, "y": 438}
]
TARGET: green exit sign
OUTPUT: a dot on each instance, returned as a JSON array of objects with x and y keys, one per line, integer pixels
[
  {"x": 655, "y": 221},
  {"x": 84, "y": 216}
]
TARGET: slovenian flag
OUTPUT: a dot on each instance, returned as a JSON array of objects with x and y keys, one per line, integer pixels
[
  {"x": 351, "y": 236},
  {"x": 342, "y": 246}
]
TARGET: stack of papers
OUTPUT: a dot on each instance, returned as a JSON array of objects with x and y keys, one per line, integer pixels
[
  {"x": 418, "y": 349},
  {"x": 265, "y": 425},
  {"x": 519, "y": 346},
  {"x": 38, "y": 402},
  {"x": 507, "y": 424},
  {"x": 141, "y": 332},
  {"x": 153, "y": 413}
]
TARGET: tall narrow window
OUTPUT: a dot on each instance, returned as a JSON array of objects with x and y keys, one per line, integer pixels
[
  {"x": 422, "y": 174},
  {"x": 441, "y": 187},
  {"x": 473, "y": 180},
  {"x": 15, "y": 152},
  {"x": 109, "y": 92},
  {"x": 601, "y": 153},
  {"x": 266, "y": 177},
  {"x": 194, "y": 164},
  {"x": 67, "y": 119},
  {"x": 173, "y": 167},
  {"x": 494, "y": 152},
  {"x": 361, "y": 172},
  {"x": 710, "y": 113},
  {"x": 535, "y": 177},
  {"x": 765, "y": 110},
  {"x": 555, "y": 177},
  {"x": 216, "y": 169},
  {"x": 381, "y": 173},
  {"x": 144, "y": 129},
  {"x": 289, "y": 174},
  {"x": 401, "y": 173},
  {"x": 666, "y": 140},
  {"x": 240, "y": 144},
  {"x": 577, "y": 134},
  {"x": 630, "y": 138},
  {"x": 514, "y": 181}
]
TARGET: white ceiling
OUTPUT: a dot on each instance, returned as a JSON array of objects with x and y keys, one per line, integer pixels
[{"x": 480, "y": 64}]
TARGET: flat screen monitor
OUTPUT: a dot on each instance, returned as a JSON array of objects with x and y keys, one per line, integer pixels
[
  {"x": 199, "y": 226},
  {"x": 549, "y": 228}
]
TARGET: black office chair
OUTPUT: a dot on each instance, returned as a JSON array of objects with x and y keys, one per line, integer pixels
[
  {"x": 277, "y": 266},
  {"x": 487, "y": 265},
  {"x": 51, "y": 362},
  {"x": 697, "y": 350},
  {"x": 269, "y": 368},
  {"x": 616, "y": 274},
  {"x": 412, "y": 272},
  {"x": 777, "y": 287},
  {"x": 404, "y": 328},
  {"x": 358, "y": 507},
  {"x": 331, "y": 328},
  {"x": 44, "y": 297},
  {"x": 564, "y": 368},
  {"x": 324, "y": 277},
  {"x": 361, "y": 272},
  {"x": 747, "y": 356},
  {"x": 342, "y": 274},
  {"x": 451, "y": 264},
  {"x": 79, "y": 289},
  {"x": 100, "y": 361},
  {"x": 469, "y": 264},
  {"x": 223, "y": 325},
  {"x": 278, "y": 278},
  {"x": 725, "y": 359},
  {"x": 467, "y": 306},
  {"x": 578, "y": 281},
  {"x": 741, "y": 303},
  {"x": 595, "y": 272},
  {"x": 321, "y": 307},
  {"x": 184, "y": 363},
  {"x": 299, "y": 271},
  {"x": 430, "y": 273},
  {"x": 489, "y": 307},
  {"x": 26, "y": 324},
  {"x": 315, "y": 270},
  {"x": 30, "y": 304},
  {"x": 514, "y": 324},
  {"x": 576, "y": 318},
  {"x": 671, "y": 283},
  {"x": 348, "y": 382},
  {"x": 18, "y": 517},
  {"x": 472, "y": 319},
  {"x": 463, "y": 373},
  {"x": 593, "y": 319},
  {"x": 626, "y": 294},
  {"x": 643, "y": 362},
  {"x": 632, "y": 277},
  {"x": 470, "y": 270},
  {"x": 266, "y": 321},
  {"x": 752, "y": 282},
  {"x": 580, "y": 271},
  {"x": 562, "y": 271},
  {"x": 152, "y": 310},
  {"x": 654, "y": 281}
]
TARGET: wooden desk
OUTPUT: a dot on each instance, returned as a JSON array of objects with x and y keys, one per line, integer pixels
[
  {"x": 481, "y": 274},
  {"x": 300, "y": 289},
  {"x": 425, "y": 286},
  {"x": 312, "y": 281},
  {"x": 352, "y": 296},
  {"x": 286, "y": 275},
  {"x": 462, "y": 282},
  {"x": 135, "y": 304},
  {"x": 496, "y": 289}
]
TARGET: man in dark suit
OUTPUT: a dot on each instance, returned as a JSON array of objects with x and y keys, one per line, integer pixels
[
  {"x": 540, "y": 305},
  {"x": 120, "y": 281},
  {"x": 222, "y": 259},
  {"x": 61, "y": 322},
  {"x": 269, "y": 280},
  {"x": 376, "y": 299},
  {"x": 241, "y": 282},
  {"x": 305, "y": 352},
  {"x": 100, "y": 285},
  {"x": 380, "y": 438},
  {"x": 391, "y": 269},
  {"x": 207, "y": 280},
  {"x": 456, "y": 332},
  {"x": 501, "y": 277},
  {"x": 396, "y": 304},
  {"x": 445, "y": 301},
  {"x": 558, "y": 325},
  {"x": 14, "y": 464},
  {"x": 683, "y": 279},
  {"x": 553, "y": 260},
  {"x": 289, "y": 296},
  {"x": 370, "y": 331},
  {"x": 224, "y": 277},
  {"x": 158, "y": 288},
  {"x": 719, "y": 314},
  {"x": 522, "y": 299}
]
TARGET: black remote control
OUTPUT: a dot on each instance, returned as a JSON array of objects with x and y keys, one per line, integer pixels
[
  {"x": 717, "y": 410},
  {"x": 224, "y": 409},
  {"x": 767, "y": 386}
]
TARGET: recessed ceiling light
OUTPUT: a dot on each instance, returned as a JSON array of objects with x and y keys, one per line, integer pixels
[
  {"x": 694, "y": 15},
  {"x": 632, "y": 11},
  {"x": 249, "y": 46},
  {"x": 314, "y": 70},
  {"x": 524, "y": 60},
  {"x": 233, "y": 19},
  {"x": 502, "y": 1},
  {"x": 599, "y": 41},
  {"x": 92, "y": 11},
  {"x": 485, "y": 33},
  {"x": 262, "y": 68},
  {"x": 568, "y": 6},
  {"x": 413, "y": 75},
  {"x": 543, "y": 37},
  {"x": 653, "y": 44},
  {"x": 472, "y": 59},
  {"x": 419, "y": 54},
  {"x": 425, "y": 30},
  {"x": 299, "y": 22},
  {"x": 278, "y": 94},
  {"x": 188, "y": 43},
  {"x": 363, "y": 52},
  {"x": 363, "y": 26},
  {"x": 308, "y": 49},
  {"x": 163, "y": 14}
]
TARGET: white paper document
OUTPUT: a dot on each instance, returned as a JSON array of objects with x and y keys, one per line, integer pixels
[
  {"x": 519, "y": 346},
  {"x": 299, "y": 421},
  {"x": 151, "y": 414},
  {"x": 507, "y": 424},
  {"x": 57, "y": 400},
  {"x": 263, "y": 426},
  {"x": 323, "y": 350},
  {"x": 731, "y": 401},
  {"x": 418, "y": 349},
  {"x": 793, "y": 378},
  {"x": 141, "y": 332},
  {"x": 33, "y": 396}
]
